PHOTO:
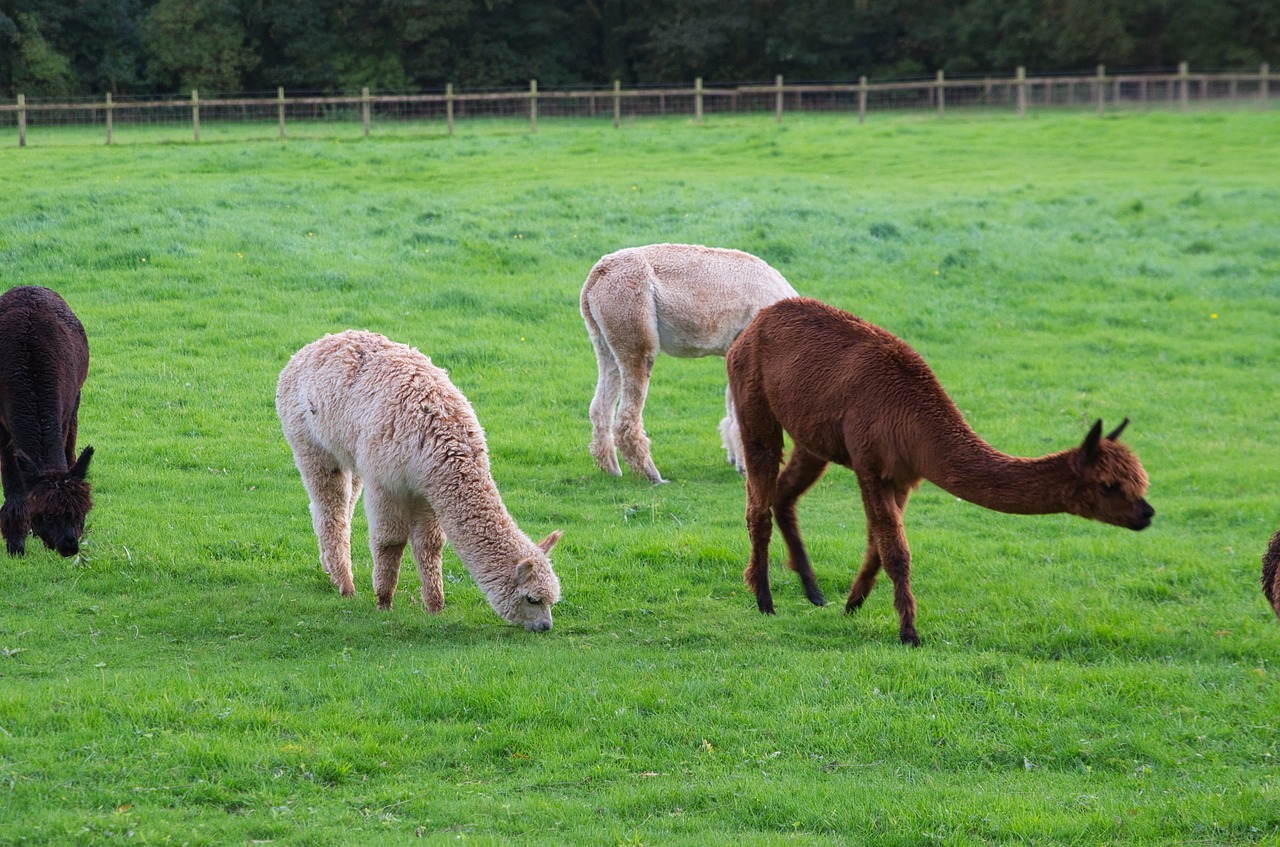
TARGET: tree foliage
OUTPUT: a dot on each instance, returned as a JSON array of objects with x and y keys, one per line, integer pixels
[{"x": 53, "y": 47}]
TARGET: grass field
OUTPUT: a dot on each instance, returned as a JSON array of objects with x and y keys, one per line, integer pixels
[{"x": 194, "y": 679}]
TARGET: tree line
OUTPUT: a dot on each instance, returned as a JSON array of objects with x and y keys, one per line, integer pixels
[{"x": 70, "y": 47}]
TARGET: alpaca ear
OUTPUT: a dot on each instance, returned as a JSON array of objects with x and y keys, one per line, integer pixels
[
  {"x": 1115, "y": 433},
  {"x": 547, "y": 543},
  {"x": 524, "y": 570},
  {"x": 1089, "y": 450},
  {"x": 81, "y": 467}
]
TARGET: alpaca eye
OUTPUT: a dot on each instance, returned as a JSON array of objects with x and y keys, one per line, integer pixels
[
  {"x": 1111, "y": 488},
  {"x": 533, "y": 601}
]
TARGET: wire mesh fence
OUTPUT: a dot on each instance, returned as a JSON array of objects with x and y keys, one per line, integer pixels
[{"x": 278, "y": 114}]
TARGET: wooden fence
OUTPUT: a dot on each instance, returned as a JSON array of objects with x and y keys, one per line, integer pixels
[{"x": 1100, "y": 91}]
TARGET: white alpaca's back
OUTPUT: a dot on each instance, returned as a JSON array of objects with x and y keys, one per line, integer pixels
[{"x": 684, "y": 300}]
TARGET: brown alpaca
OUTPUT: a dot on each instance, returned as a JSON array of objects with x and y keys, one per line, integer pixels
[
  {"x": 849, "y": 392},
  {"x": 1271, "y": 573}
]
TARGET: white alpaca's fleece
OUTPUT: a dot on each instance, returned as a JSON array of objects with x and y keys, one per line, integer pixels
[
  {"x": 684, "y": 300},
  {"x": 359, "y": 410}
]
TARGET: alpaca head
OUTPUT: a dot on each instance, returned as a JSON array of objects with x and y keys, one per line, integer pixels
[
  {"x": 58, "y": 504},
  {"x": 533, "y": 591},
  {"x": 1271, "y": 573},
  {"x": 1111, "y": 484}
]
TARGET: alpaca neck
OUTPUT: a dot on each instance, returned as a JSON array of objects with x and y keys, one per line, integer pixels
[
  {"x": 483, "y": 534},
  {"x": 977, "y": 472}
]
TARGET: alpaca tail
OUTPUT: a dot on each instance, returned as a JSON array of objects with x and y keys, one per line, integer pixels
[{"x": 1271, "y": 573}]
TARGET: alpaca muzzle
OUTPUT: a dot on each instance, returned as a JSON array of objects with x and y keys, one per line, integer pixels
[{"x": 1142, "y": 516}]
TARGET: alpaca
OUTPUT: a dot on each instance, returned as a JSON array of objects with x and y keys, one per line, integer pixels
[
  {"x": 44, "y": 360},
  {"x": 680, "y": 299},
  {"x": 359, "y": 410},
  {"x": 849, "y": 392},
  {"x": 1271, "y": 573}
]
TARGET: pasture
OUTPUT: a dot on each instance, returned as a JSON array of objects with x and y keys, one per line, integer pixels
[{"x": 195, "y": 679}]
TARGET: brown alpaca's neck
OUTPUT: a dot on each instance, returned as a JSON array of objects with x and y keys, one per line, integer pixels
[{"x": 975, "y": 471}]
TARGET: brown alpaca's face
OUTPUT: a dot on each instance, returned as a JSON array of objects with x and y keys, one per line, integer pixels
[{"x": 1113, "y": 483}]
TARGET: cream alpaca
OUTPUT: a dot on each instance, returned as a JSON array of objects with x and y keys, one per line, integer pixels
[
  {"x": 359, "y": 409},
  {"x": 680, "y": 299}
]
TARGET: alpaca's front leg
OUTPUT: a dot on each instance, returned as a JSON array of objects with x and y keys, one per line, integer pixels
[
  {"x": 884, "y": 528},
  {"x": 427, "y": 542}
]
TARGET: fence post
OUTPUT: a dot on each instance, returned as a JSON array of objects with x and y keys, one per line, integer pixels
[
  {"x": 448, "y": 106},
  {"x": 1021, "y": 83},
  {"x": 109, "y": 108},
  {"x": 195, "y": 115},
  {"x": 697, "y": 99},
  {"x": 1264, "y": 84},
  {"x": 533, "y": 105},
  {"x": 940, "y": 84},
  {"x": 1182, "y": 85},
  {"x": 862, "y": 99},
  {"x": 1100, "y": 90},
  {"x": 280, "y": 108},
  {"x": 22, "y": 120},
  {"x": 364, "y": 110},
  {"x": 617, "y": 102},
  {"x": 777, "y": 99}
]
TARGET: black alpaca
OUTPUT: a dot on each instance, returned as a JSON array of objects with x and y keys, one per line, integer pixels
[{"x": 44, "y": 359}]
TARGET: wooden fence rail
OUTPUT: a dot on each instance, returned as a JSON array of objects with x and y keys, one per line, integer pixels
[{"x": 1019, "y": 92}]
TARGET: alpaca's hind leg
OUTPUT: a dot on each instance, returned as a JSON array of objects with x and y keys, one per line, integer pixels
[
  {"x": 884, "y": 507},
  {"x": 731, "y": 435},
  {"x": 15, "y": 521},
  {"x": 427, "y": 542},
  {"x": 329, "y": 490},
  {"x": 762, "y": 452},
  {"x": 390, "y": 520},
  {"x": 801, "y": 472},
  {"x": 633, "y": 443},
  {"x": 603, "y": 404}
]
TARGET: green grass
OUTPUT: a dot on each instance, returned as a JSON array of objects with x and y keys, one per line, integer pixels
[{"x": 195, "y": 679}]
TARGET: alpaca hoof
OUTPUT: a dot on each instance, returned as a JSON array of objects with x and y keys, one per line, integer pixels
[
  {"x": 765, "y": 604},
  {"x": 16, "y": 548},
  {"x": 853, "y": 605},
  {"x": 910, "y": 639},
  {"x": 384, "y": 605},
  {"x": 815, "y": 596}
]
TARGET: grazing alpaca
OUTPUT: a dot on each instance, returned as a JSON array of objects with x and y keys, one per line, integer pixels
[
  {"x": 1271, "y": 573},
  {"x": 44, "y": 359},
  {"x": 681, "y": 299},
  {"x": 849, "y": 392},
  {"x": 358, "y": 409}
]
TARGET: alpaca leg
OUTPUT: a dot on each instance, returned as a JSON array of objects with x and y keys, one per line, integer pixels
[
  {"x": 603, "y": 404},
  {"x": 731, "y": 435},
  {"x": 329, "y": 490},
  {"x": 427, "y": 541},
  {"x": 884, "y": 522},
  {"x": 15, "y": 521},
  {"x": 866, "y": 578},
  {"x": 390, "y": 520},
  {"x": 632, "y": 441},
  {"x": 763, "y": 453},
  {"x": 801, "y": 472}
]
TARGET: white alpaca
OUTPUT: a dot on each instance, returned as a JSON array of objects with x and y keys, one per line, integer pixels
[
  {"x": 358, "y": 408},
  {"x": 684, "y": 300}
]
